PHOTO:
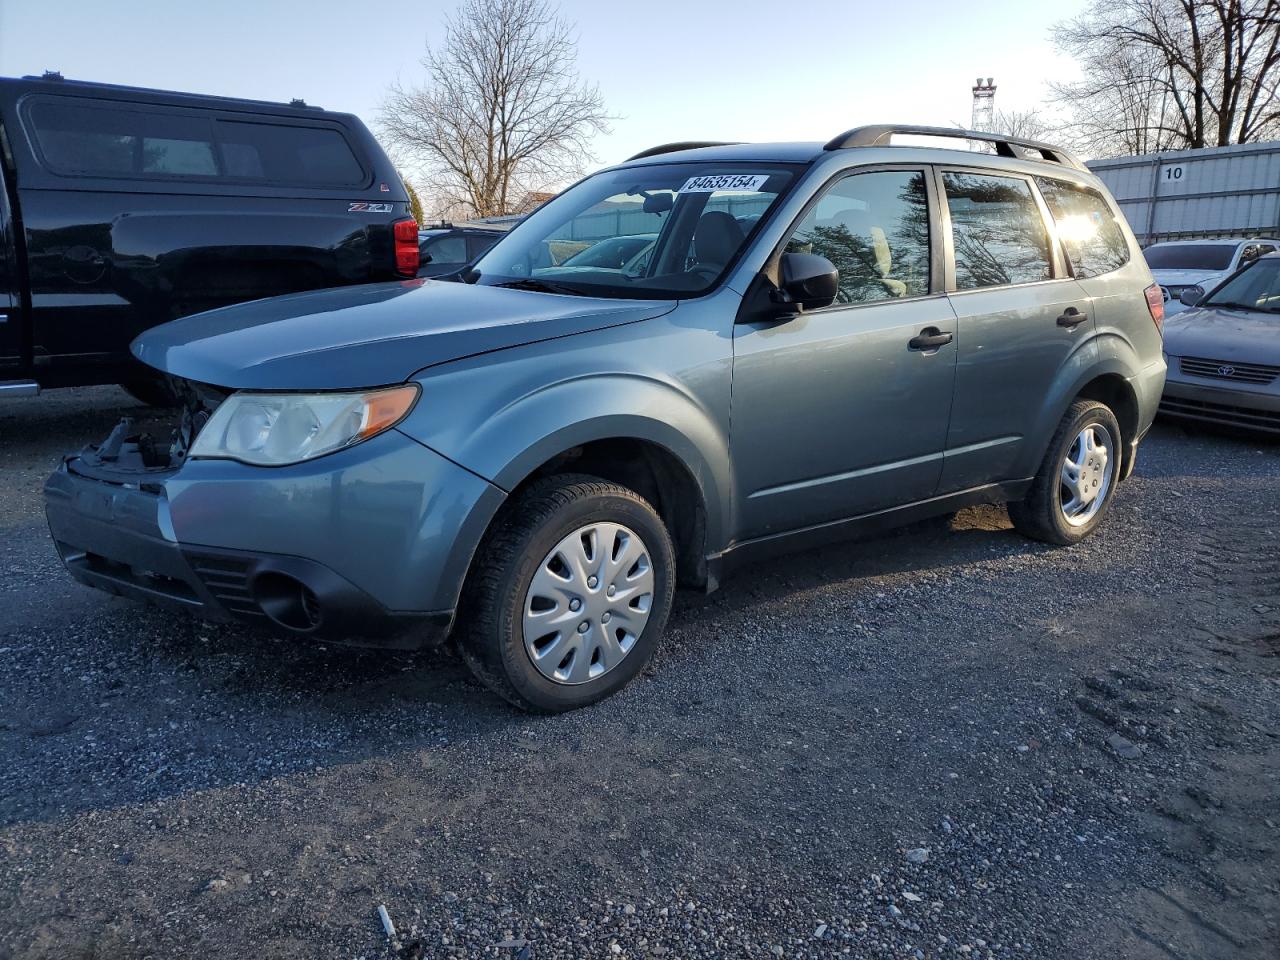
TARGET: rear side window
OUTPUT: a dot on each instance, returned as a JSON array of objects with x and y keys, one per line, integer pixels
[
  {"x": 1094, "y": 242},
  {"x": 82, "y": 138},
  {"x": 314, "y": 156},
  {"x": 997, "y": 230},
  {"x": 88, "y": 140}
]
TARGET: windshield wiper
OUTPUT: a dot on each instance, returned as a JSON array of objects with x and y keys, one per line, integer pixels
[
  {"x": 1232, "y": 305},
  {"x": 540, "y": 286}
]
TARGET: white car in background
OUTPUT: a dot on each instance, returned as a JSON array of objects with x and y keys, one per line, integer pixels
[{"x": 1180, "y": 265}]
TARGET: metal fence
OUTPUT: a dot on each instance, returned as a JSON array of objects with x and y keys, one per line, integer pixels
[
  {"x": 630, "y": 219},
  {"x": 1214, "y": 192}
]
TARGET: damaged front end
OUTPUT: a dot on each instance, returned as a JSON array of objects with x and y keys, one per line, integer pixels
[
  {"x": 139, "y": 455},
  {"x": 117, "y": 510}
]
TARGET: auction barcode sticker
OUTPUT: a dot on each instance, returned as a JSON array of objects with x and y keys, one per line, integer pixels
[{"x": 745, "y": 183}]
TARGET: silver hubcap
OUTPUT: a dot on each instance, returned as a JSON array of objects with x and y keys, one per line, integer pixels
[
  {"x": 588, "y": 603},
  {"x": 1086, "y": 474}
]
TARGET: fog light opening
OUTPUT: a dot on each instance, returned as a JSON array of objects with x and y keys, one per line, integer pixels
[{"x": 287, "y": 601}]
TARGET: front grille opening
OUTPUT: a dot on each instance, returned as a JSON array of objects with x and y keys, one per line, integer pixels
[
  {"x": 151, "y": 447},
  {"x": 1254, "y": 373},
  {"x": 137, "y": 576},
  {"x": 1223, "y": 413}
]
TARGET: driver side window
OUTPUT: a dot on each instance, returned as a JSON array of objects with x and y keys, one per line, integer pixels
[{"x": 874, "y": 227}]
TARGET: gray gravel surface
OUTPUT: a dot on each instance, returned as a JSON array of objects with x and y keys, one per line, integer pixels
[{"x": 949, "y": 742}]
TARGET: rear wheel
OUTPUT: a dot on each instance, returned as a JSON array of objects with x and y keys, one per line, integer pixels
[
  {"x": 1073, "y": 489},
  {"x": 569, "y": 594}
]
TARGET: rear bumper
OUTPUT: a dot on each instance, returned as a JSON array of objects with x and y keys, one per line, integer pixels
[
  {"x": 1249, "y": 409},
  {"x": 1147, "y": 386},
  {"x": 314, "y": 550}
]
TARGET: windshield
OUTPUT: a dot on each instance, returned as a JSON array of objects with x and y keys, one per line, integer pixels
[
  {"x": 1256, "y": 287},
  {"x": 654, "y": 232},
  {"x": 1189, "y": 256}
]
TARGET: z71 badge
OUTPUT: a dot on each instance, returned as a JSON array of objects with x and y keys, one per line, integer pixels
[{"x": 364, "y": 206}]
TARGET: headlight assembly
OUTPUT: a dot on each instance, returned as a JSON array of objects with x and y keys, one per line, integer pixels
[{"x": 275, "y": 429}]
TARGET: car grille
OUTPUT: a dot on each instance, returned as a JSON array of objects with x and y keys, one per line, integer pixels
[
  {"x": 1256, "y": 373},
  {"x": 227, "y": 578},
  {"x": 1253, "y": 419}
]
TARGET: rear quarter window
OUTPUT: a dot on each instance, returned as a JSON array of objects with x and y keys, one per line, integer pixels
[
  {"x": 85, "y": 138},
  {"x": 279, "y": 153},
  {"x": 1092, "y": 239}
]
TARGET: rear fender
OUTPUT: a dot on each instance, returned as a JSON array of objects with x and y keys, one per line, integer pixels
[{"x": 1105, "y": 355}]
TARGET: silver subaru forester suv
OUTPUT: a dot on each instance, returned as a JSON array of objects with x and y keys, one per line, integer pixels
[{"x": 806, "y": 341}]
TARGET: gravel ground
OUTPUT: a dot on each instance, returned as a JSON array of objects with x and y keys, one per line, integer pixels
[{"x": 949, "y": 742}]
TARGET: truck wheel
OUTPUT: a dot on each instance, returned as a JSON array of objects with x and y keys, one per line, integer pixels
[
  {"x": 1073, "y": 489},
  {"x": 152, "y": 389},
  {"x": 568, "y": 595}
]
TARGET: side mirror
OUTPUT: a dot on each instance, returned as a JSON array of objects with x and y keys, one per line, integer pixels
[
  {"x": 808, "y": 280},
  {"x": 1191, "y": 296}
]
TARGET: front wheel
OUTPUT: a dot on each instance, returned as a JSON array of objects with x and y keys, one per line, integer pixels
[
  {"x": 1074, "y": 487},
  {"x": 568, "y": 595}
]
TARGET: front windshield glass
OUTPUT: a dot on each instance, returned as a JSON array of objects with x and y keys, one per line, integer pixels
[
  {"x": 1189, "y": 256},
  {"x": 1256, "y": 287},
  {"x": 664, "y": 231}
]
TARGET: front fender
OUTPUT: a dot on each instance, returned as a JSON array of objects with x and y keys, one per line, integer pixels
[{"x": 502, "y": 419}]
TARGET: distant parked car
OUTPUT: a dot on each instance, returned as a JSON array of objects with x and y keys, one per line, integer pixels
[
  {"x": 1180, "y": 265},
  {"x": 447, "y": 249},
  {"x": 1224, "y": 352}
]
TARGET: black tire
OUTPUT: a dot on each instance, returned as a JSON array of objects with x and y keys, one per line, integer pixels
[
  {"x": 490, "y": 623},
  {"x": 154, "y": 390},
  {"x": 1039, "y": 516}
]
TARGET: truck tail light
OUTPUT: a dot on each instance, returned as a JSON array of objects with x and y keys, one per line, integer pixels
[
  {"x": 1155, "y": 303},
  {"x": 406, "y": 237}
]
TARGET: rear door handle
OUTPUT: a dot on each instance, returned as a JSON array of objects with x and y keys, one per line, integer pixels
[
  {"x": 930, "y": 338},
  {"x": 1072, "y": 317}
]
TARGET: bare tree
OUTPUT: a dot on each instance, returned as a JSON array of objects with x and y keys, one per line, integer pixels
[
  {"x": 503, "y": 110},
  {"x": 1173, "y": 74},
  {"x": 1024, "y": 124}
]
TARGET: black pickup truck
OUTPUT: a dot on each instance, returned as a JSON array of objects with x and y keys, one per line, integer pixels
[{"x": 122, "y": 208}]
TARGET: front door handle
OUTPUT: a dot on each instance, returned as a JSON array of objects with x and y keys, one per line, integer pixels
[
  {"x": 1071, "y": 317},
  {"x": 930, "y": 338}
]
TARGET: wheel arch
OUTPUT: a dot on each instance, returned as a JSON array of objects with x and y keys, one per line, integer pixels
[
  {"x": 1108, "y": 381},
  {"x": 650, "y": 435}
]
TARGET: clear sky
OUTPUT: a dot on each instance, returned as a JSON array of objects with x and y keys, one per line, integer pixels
[{"x": 669, "y": 69}]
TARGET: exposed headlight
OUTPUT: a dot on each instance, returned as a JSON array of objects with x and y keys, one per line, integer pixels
[{"x": 274, "y": 429}]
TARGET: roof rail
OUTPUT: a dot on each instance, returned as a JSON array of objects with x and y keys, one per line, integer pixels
[
  {"x": 881, "y": 135},
  {"x": 680, "y": 145}
]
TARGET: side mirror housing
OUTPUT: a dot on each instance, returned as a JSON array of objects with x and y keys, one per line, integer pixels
[
  {"x": 1191, "y": 296},
  {"x": 808, "y": 280}
]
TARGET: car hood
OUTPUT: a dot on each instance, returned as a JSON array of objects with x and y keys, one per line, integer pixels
[
  {"x": 1237, "y": 336},
  {"x": 369, "y": 335},
  {"x": 1184, "y": 278}
]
